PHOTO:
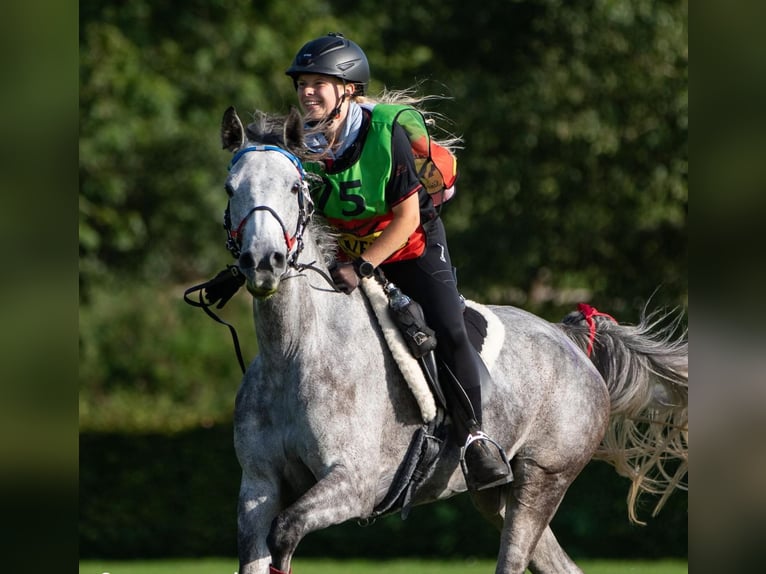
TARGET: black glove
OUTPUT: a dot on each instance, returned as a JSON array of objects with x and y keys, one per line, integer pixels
[
  {"x": 345, "y": 277},
  {"x": 223, "y": 286}
]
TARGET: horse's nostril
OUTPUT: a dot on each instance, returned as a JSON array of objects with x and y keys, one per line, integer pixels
[
  {"x": 273, "y": 262},
  {"x": 277, "y": 260},
  {"x": 246, "y": 260}
]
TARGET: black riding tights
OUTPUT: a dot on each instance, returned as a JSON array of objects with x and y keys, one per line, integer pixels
[{"x": 430, "y": 281}]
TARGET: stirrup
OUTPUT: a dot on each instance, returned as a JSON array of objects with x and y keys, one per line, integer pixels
[{"x": 481, "y": 435}]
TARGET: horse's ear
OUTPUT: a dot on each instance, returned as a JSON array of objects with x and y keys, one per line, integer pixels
[
  {"x": 294, "y": 130},
  {"x": 232, "y": 131}
]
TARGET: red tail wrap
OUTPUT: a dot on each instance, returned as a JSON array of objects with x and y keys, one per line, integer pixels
[{"x": 588, "y": 313}]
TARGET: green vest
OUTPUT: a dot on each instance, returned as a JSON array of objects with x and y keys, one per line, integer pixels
[{"x": 359, "y": 192}]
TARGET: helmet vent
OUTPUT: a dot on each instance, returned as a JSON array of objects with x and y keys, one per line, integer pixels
[{"x": 343, "y": 66}]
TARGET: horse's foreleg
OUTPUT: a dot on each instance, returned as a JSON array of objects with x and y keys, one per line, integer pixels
[
  {"x": 550, "y": 558},
  {"x": 532, "y": 501},
  {"x": 257, "y": 507},
  {"x": 332, "y": 500}
]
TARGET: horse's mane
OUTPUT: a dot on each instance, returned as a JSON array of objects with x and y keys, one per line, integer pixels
[{"x": 326, "y": 238}]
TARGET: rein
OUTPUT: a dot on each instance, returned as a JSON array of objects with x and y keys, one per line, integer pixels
[{"x": 202, "y": 304}]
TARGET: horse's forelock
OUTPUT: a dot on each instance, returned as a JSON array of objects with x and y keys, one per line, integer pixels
[{"x": 267, "y": 129}]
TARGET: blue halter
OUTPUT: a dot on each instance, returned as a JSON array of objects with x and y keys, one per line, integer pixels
[
  {"x": 296, "y": 162},
  {"x": 305, "y": 206}
]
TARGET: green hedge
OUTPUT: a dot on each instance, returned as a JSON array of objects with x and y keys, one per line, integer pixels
[
  {"x": 149, "y": 362},
  {"x": 164, "y": 495}
]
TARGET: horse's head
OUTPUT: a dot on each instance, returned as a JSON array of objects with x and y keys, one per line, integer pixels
[{"x": 269, "y": 204}]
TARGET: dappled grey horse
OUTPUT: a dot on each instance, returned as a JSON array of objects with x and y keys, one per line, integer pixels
[{"x": 323, "y": 418}]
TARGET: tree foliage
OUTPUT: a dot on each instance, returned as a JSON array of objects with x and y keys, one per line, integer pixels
[
  {"x": 575, "y": 119},
  {"x": 574, "y": 116},
  {"x": 573, "y": 178}
]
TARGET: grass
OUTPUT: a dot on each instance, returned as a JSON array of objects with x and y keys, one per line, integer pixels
[{"x": 229, "y": 566}]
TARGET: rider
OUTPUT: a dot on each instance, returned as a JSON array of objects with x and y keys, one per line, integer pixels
[{"x": 372, "y": 195}]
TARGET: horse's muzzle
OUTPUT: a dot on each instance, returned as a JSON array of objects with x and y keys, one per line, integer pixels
[
  {"x": 274, "y": 262},
  {"x": 261, "y": 283},
  {"x": 262, "y": 274}
]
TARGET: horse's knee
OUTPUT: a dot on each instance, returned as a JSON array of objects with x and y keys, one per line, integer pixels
[{"x": 283, "y": 536}]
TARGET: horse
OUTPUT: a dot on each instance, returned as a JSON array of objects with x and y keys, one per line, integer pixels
[{"x": 323, "y": 418}]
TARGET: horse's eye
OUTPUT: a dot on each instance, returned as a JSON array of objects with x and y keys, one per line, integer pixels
[
  {"x": 229, "y": 190},
  {"x": 296, "y": 187}
]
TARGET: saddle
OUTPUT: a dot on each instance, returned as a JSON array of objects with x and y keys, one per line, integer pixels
[
  {"x": 411, "y": 343},
  {"x": 485, "y": 331}
]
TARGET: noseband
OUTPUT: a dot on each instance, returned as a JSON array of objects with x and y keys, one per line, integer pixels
[{"x": 294, "y": 243}]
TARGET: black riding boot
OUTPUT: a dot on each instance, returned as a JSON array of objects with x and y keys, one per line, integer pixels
[{"x": 483, "y": 461}]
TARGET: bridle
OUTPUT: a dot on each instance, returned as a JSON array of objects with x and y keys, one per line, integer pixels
[{"x": 293, "y": 242}]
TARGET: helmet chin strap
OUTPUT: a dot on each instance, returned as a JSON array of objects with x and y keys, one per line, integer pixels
[{"x": 335, "y": 113}]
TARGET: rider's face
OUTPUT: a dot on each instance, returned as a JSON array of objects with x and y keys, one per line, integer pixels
[{"x": 318, "y": 96}]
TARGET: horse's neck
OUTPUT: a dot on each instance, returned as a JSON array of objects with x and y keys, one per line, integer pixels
[
  {"x": 304, "y": 317},
  {"x": 285, "y": 320}
]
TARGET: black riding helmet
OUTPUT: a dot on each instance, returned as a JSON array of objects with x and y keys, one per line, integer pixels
[{"x": 332, "y": 55}]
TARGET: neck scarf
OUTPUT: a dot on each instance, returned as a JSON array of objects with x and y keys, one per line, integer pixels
[{"x": 317, "y": 142}]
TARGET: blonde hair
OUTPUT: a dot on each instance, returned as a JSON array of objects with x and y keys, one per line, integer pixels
[{"x": 435, "y": 122}]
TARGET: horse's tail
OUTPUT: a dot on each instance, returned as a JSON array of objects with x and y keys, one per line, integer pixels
[{"x": 646, "y": 369}]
